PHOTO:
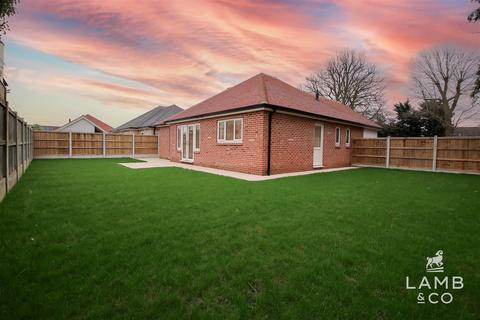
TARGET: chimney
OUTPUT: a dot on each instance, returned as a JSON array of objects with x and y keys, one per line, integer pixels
[{"x": 317, "y": 95}]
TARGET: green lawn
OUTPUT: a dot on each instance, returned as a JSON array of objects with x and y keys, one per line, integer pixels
[{"x": 92, "y": 239}]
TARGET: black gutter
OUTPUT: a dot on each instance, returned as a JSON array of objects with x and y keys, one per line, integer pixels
[{"x": 269, "y": 146}]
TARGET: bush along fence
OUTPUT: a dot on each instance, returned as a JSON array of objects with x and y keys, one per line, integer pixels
[
  {"x": 16, "y": 148},
  {"x": 457, "y": 154},
  {"x": 48, "y": 144}
]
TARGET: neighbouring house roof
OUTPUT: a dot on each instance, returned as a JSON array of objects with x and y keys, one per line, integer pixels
[
  {"x": 467, "y": 131},
  {"x": 264, "y": 89},
  {"x": 96, "y": 122},
  {"x": 150, "y": 118},
  {"x": 46, "y": 128}
]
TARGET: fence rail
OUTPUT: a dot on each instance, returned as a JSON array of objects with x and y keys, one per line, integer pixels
[
  {"x": 16, "y": 147},
  {"x": 48, "y": 144},
  {"x": 459, "y": 154}
]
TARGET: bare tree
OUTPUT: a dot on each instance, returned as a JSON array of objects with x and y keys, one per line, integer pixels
[
  {"x": 350, "y": 79},
  {"x": 447, "y": 75},
  {"x": 475, "y": 14}
]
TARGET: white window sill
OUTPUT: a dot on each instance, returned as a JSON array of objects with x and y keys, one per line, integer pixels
[{"x": 229, "y": 142}]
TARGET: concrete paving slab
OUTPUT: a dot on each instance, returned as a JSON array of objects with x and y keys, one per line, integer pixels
[{"x": 163, "y": 163}]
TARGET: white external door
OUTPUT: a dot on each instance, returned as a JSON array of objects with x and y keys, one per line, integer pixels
[
  {"x": 187, "y": 143},
  {"x": 318, "y": 146}
]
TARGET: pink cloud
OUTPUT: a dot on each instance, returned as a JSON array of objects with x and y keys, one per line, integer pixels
[{"x": 187, "y": 50}]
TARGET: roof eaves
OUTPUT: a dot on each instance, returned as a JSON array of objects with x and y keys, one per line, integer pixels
[
  {"x": 218, "y": 113},
  {"x": 325, "y": 118}
]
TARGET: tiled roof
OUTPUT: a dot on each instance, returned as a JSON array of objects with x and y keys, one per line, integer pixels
[
  {"x": 150, "y": 118},
  {"x": 265, "y": 89},
  {"x": 467, "y": 131},
  {"x": 99, "y": 123}
]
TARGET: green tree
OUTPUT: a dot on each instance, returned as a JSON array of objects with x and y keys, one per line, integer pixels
[
  {"x": 407, "y": 122},
  {"x": 7, "y": 9},
  {"x": 427, "y": 121},
  {"x": 432, "y": 118}
]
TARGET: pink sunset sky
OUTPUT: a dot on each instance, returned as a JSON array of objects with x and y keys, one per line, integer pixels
[{"x": 117, "y": 59}]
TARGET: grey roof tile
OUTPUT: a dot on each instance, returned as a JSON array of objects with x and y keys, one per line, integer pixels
[{"x": 150, "y": 118}]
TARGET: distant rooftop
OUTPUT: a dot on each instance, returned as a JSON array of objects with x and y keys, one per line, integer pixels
[
  {"x": 150, "y": 118},
  {"x": 467, "y": 131}
]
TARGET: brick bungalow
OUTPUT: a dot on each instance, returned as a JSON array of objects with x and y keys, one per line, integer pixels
[{"x": 264, "y": 126}]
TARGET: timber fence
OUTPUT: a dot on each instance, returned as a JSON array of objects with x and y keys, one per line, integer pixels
[
  {"x": 457, "y": 154},
  {"x": 48, "y": 144},
  {"x": 16, "y": 147}
]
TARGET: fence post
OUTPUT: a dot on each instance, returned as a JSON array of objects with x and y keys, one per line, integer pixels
[
  {"x": 69, "y": 144},
  {"x": 24, "y": 163},
  {"x": 434, "y": 156},
  {"x": 387, "y": 159},
  {"x": 104, "y": 146},
  {"x": 31, "y": 144},
  {"x": 7, "y": 142},
  {"x": 16, "y": 145},
  {"x": 133, "y": 145}
]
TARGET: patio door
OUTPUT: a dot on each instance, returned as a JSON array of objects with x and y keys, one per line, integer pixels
[
  {"x": 187, "y": 143},
  {"x": 318, "y": 146}
]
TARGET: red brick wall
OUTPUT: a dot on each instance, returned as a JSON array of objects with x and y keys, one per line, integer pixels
[
  {"x": 292, "y": 144},
  {"x": 291, "y": 149},
  {"x": 164, "y": 149},
  {"x": 335, "y": 157},
  {"x": 250, "y": 156}
]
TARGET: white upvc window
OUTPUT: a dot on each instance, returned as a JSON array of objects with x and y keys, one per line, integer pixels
[
  {"x": 347, "y": 137},
  {"x": 196, "y": 137},
  {"x": 179, "y": 137},
  {"x": 337, "y": 137},
  {"x": 230, "y": 131}
]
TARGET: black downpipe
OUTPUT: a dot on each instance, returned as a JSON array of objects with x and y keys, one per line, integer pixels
[{"x": 269, "y": 147}]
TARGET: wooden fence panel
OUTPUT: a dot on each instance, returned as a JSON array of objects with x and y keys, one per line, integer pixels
[
  {"x": 146, "y": 145},
  {"x": 48, "y": 144},
  {"x": 87, "y": 144},
  {"x": 15, "y": 147},
  {"x": 459, "y": 154},
  {"x": 369, "y": 151},
  {"x": 119, "y": 145},
  {"x": 411, "y": 153}
]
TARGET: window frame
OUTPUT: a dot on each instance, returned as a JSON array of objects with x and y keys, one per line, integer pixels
[
  {"x": 179, "y": 138},
  {"x": 338, "y": 136},
  {"x": 347, "y": 137},
  {"x": 224, "y": 124},
  {"x": 195, "y": 147}
]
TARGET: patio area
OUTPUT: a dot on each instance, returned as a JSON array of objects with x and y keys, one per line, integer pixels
[{"x": 148, "y": 163}]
